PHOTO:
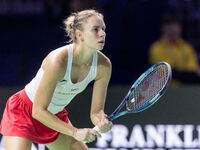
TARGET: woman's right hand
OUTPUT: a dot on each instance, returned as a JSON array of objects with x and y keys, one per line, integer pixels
[{"x": 86, "y": 135}]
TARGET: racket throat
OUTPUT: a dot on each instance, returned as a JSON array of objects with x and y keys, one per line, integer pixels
[{"x": 114, "y": 116}]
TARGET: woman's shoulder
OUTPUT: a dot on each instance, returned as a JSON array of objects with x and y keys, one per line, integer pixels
[
  {"x": 103, "y": 59},
  {"x": 104, "y": 66},
  {"x": 57, "y": 57}
]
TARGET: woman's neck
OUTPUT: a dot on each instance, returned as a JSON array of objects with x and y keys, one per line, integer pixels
[{"x": 82, "y": 55}]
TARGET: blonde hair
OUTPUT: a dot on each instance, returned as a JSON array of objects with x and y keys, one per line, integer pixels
[{"x": 76, "y": 20}]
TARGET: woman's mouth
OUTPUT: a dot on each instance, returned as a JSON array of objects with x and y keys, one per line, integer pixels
[{"x": 101, "y": 42}]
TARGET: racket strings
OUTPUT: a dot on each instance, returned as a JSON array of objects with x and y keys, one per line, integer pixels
[{"x": 148, "y": 88}]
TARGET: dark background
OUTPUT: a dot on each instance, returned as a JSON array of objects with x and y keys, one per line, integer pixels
[{"x": 29, "y": 30}]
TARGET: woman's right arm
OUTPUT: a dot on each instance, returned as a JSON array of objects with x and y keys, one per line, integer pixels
[{"x": 54, "y": 70}]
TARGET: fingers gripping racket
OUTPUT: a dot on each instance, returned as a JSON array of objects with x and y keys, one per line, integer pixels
[{"x": 146, "y": 90}]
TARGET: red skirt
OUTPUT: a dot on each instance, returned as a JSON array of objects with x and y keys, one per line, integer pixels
[{"x": 18, "y": 121}]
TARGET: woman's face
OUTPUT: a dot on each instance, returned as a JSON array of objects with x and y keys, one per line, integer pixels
[{"x": 93, "y": 34}]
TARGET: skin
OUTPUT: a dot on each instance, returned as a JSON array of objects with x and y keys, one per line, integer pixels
[{"x": 54, "y": 66}]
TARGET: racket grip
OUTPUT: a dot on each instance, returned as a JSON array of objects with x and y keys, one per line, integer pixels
[{"x": 96, "y": 128}]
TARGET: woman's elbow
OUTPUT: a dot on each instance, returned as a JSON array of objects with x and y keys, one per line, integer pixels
[{"x": 36, "y": 112}]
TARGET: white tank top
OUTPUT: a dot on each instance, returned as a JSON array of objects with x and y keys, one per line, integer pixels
[{"x": 65, "y": 90}]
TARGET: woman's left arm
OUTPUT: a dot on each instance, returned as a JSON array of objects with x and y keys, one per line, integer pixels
[{"x": 98, "y": 117}]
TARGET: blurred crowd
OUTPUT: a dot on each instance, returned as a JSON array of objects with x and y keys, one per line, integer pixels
[
  {"x": 139, "y": 33},
  {"x": 172, "y": 48}
]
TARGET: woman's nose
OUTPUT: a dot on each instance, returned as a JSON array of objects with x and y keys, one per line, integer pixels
[{"x": 102, "y": 33}]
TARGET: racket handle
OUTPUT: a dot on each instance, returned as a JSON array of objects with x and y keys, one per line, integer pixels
[{"x": 96, "y": 128}]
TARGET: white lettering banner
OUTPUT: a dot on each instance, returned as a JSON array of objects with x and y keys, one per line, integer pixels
[{"x": 147, "y": 137}]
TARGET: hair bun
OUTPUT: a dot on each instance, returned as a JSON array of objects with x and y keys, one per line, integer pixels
[{"x": 69, "y": 24}]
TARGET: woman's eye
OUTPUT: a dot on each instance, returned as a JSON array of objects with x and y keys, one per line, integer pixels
[{"x": 96, "y": 29}]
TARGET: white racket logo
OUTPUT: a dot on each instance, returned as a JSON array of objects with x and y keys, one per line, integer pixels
[{"x": 133, "y": 100}]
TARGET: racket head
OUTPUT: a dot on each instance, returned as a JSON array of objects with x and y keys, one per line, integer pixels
[{"x": 149, "y": 87}]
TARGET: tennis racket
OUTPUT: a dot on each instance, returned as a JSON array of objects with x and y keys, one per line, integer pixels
[{"x": 146, "y": 90}]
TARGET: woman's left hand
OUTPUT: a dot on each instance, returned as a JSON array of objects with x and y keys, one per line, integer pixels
[{"x": 104, "y": 124}]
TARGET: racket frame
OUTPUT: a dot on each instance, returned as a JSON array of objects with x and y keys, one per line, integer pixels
[{"x": 117, "y": 114}]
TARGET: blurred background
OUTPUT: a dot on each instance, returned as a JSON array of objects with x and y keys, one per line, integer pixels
[{"x": 139, "y": 33}]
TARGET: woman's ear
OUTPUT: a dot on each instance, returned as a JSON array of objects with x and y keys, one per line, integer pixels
[{"x": 79, "y": 36}]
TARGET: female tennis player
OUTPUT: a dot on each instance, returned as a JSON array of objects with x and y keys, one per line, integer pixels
[{"x": 37, "y": 113}]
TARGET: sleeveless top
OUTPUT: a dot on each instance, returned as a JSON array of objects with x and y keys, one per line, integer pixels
[{"x": 65, "y": 90}]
